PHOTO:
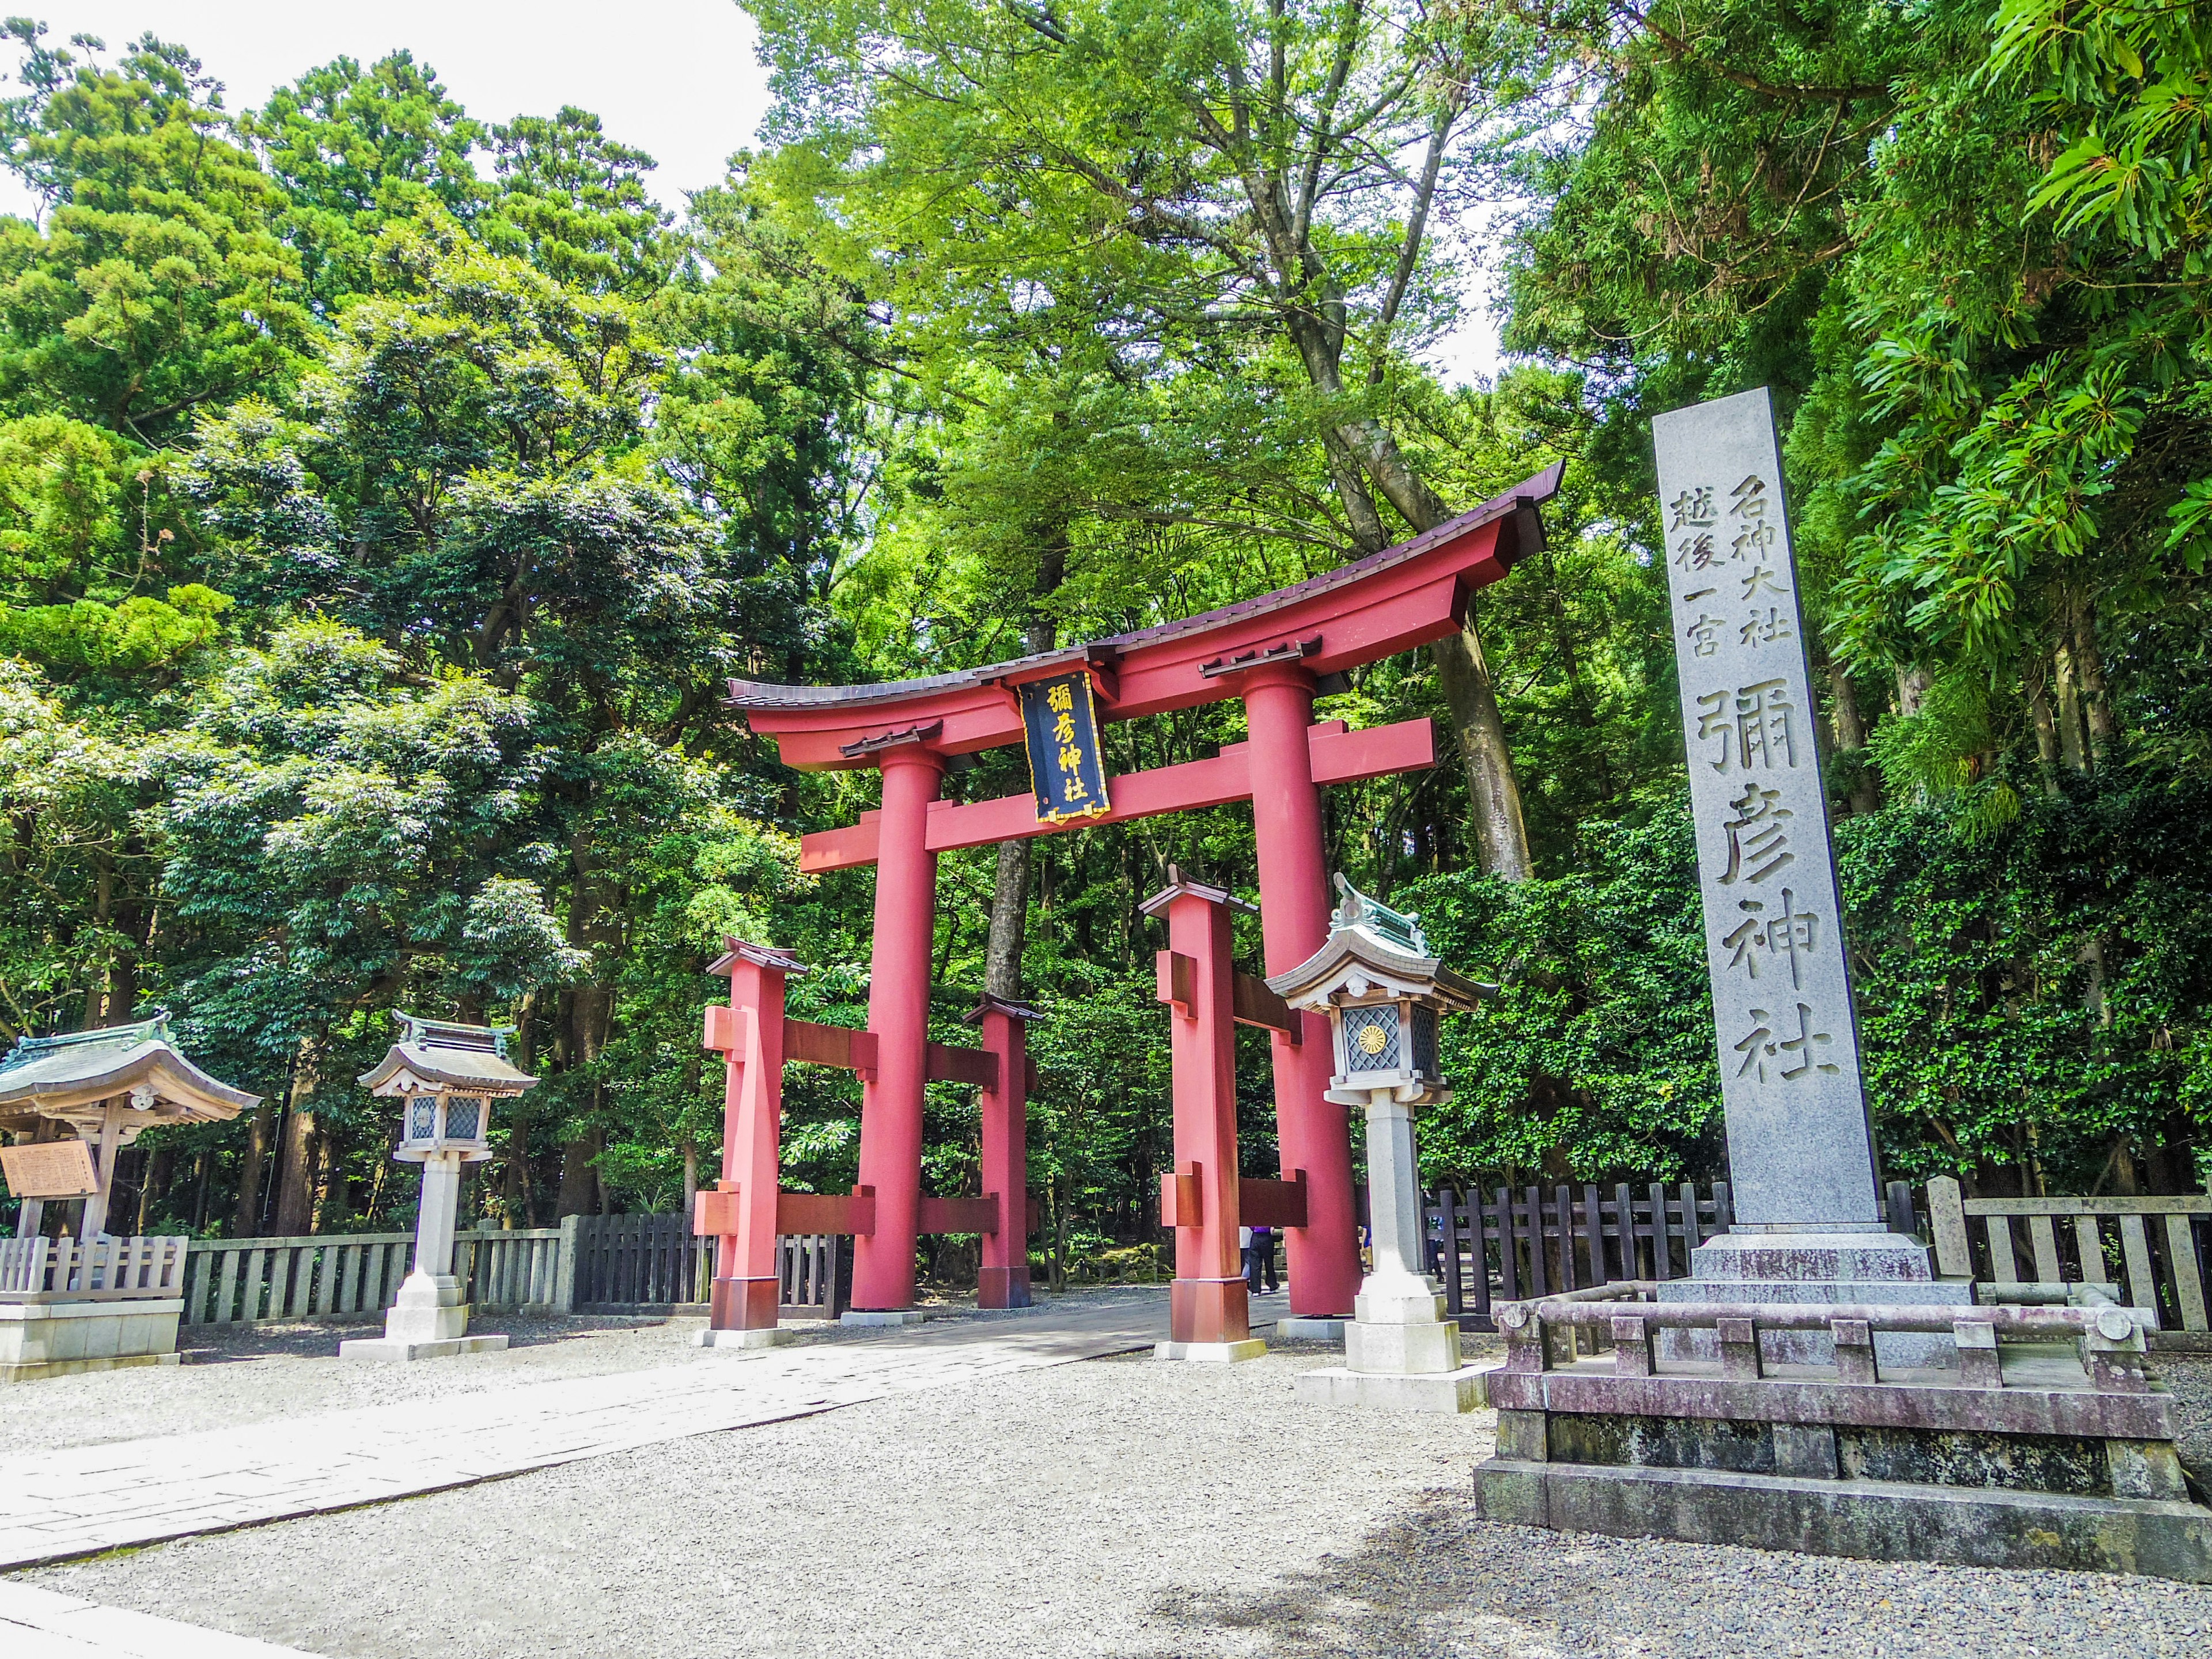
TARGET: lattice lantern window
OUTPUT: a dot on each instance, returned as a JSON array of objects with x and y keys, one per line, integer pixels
[{"x": 439, "y": 1123}]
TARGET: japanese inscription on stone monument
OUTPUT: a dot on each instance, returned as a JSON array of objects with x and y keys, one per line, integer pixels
[{"x": 1800, "y": 1153}]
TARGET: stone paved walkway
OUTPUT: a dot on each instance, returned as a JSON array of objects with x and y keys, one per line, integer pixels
[
  {"x": 38, "y": 1624},
  {"x": 59, "y": 1504}
]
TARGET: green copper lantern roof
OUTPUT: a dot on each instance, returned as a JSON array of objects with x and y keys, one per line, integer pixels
[{"x": 1401, "y": 928}]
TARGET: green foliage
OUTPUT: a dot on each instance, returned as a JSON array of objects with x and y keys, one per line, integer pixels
[
  {"x": 1595, "y": 1058},
  {"x": 386, "y": 496}
]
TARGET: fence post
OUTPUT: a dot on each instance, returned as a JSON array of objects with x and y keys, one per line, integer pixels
[
  {"x": 1901, "y": 1218},
  {"x": 564, "y": 1266},
  {"x": 1946, "y": 1219}
]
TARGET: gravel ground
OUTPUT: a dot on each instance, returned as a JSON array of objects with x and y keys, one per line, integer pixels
[
  {"x": 1115, "y": 1507},
  {"x": 249, "y": 1374}
]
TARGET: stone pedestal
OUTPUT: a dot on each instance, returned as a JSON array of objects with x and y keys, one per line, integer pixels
[
  {"x": 1858, "y": 1268},
  {"x": 429, "y": 1321},
  {"x": 58, "y": 1338},
  {"x": 770, "y": 1337},
  {"x": 1400, "y": 1352},
  {"x": 869, "y": 1318}
]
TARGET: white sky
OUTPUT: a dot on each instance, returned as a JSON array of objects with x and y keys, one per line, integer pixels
[{"x": 677, "y": 79}]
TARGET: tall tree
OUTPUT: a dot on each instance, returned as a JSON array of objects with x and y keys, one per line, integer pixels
[{"x": 1222, "y": 169}]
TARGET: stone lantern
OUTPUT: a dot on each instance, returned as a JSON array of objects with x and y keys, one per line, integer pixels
[
  {"x": 1384, "y": 995},
  {"x": 446, "y": 1077}
]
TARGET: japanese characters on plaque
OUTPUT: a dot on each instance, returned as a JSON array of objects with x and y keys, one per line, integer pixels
[
  {"x": 1787, "y": 1036},
  {"x": 1061, "y": 726}
]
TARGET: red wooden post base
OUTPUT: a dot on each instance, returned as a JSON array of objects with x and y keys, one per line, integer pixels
[
  {"x": 1002, "y": 1279},
  {"x": 1209, "y": 1310}
]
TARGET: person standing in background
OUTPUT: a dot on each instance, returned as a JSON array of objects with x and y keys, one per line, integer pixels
[{"x": 1259, "y": 1258}]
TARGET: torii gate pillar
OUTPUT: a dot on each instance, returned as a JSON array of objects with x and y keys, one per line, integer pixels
[
  {"x": 1313, "y": 1134},
  {"x": 1209, "y": 1312},
  {"x": 740, "y": 1214},
  {"x": 898, "y": 1013}
]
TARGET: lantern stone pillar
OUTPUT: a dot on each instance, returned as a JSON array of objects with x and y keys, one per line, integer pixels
[
  {"x": 1384, "y": 995},
  {"x": 446, "y": 1077},
  {"x": 1209, "y": 1308},
  {"x": 1313, "y": 1134},
  {"x": 898, "y": 1013}
]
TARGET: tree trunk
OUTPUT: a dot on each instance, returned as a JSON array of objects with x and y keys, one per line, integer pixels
[
  {"x": 1462, "y": 669},
  {"x": 1912, "y": 685},
  {"x": 246, "y": 1224},
  {"x": 516, "y": 1185},
  {"x": 1865, "y": 796},
  {"x": 579, "y": 1193},
  {"x": 1501, "y": 834},
  {"x": 153, "y": 1187},
  {"x": 2038, "y": 686},
  {"x": 295, "y": 1183},
  {"x": 2073, "y": 742},
  {"x": 1009, "y": 892},
  {"x": 2096, "y": 698},
  {"x": 1010, "y": 908},
  {"x": 332, "y": 1200}
]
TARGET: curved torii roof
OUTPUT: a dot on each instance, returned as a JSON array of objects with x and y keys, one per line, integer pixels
[
  {"x": 69, "y": 1077},
  {"x": 1405, "y": 596}
]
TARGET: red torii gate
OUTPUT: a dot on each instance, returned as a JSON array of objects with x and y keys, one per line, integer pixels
[{"x": 1270, "y": 652}]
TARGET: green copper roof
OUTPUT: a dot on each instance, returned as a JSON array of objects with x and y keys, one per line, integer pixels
[{"x": 1400, "y": 927}]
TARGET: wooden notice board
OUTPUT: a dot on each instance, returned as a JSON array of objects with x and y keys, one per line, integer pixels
[{"x": 57, "y": 1169}]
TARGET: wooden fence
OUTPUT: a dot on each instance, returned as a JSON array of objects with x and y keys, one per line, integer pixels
[
  {"x": 1503, "y": 1245},
  {"x": 639, "y": 1263},
  {"x": 105, "y": 1269},
  {"x": 627, "y": 1263},
  {"x": 354, "y": 1277},
  {"x": 2155, "y": 1250}
]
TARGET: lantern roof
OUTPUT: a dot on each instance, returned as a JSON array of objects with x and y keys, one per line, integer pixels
[
  {"x": 1371, "y": 947},
  {"x": 65, "y": 1077},
  {"x": 446, "y": 1055}
]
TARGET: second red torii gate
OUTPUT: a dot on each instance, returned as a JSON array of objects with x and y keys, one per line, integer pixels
[{"x": 1270, "y": 652}]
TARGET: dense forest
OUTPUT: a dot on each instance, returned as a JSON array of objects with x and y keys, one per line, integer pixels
[{"x": 386, "y": 493}]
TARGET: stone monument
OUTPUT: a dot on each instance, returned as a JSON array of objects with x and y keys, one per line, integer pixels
[
  {"x": 1812, "y": 1386},
  {"x": 1807, "y": 1225},
  {"x": 446, "y": 1076},
  {"x": 1384, "y": 995}
]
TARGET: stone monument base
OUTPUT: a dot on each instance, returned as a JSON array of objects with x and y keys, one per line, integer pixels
[
  {"x": 2050, "y": 1448},
  {"x": 768, "y": 1337},
  {"x": 1861, "y": 1268},
  {"x": 1465, "y": 1390},
  {"x": 1867, "y": 1520},
  {"x": 1400, "y": 1354},
  {"x": 61, "y": 1339},
  {"x": 1211, "y": 1353}
]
